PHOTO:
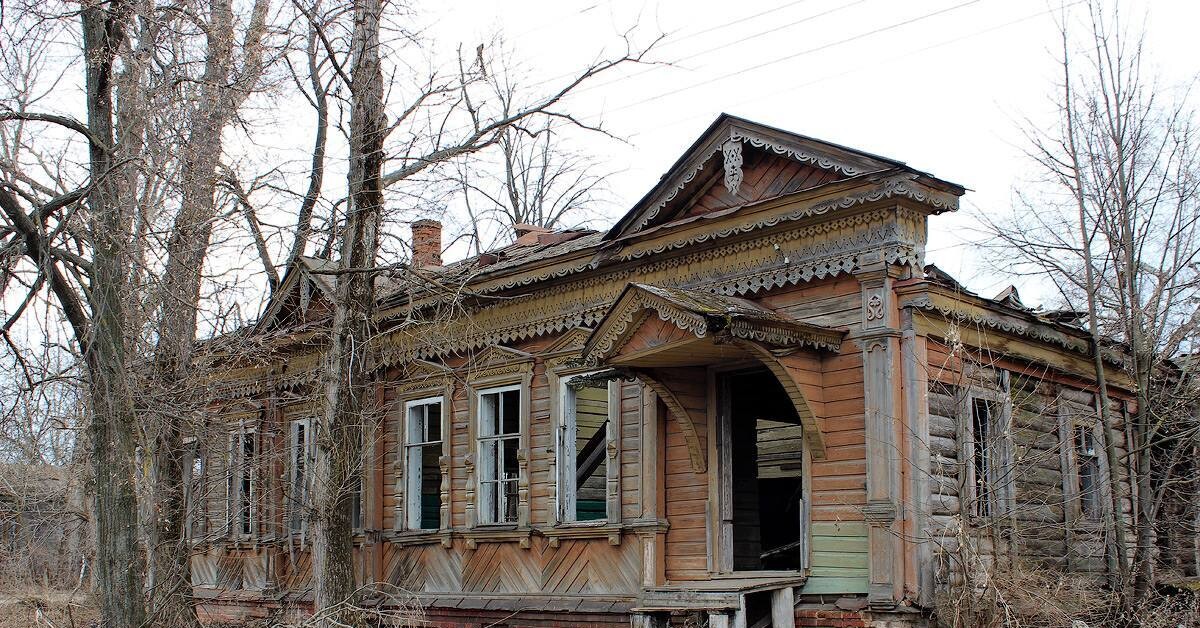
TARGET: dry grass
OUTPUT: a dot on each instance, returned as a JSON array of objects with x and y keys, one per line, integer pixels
[{"x": 46, "y": 608}]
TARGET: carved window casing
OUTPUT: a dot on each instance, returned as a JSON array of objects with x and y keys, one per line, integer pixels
[
  {"x": 497, "y": 469},
  {"x": 422, "y": 419},
  {"x": 423, "y": 438},
  {"x": 985, "y": 419},
  {"x": 301, "y": 451},
  {"x": 586, "y": 465}
]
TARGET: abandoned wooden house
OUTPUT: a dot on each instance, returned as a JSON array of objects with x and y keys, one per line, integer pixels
[{"x": 749, "y": 401}]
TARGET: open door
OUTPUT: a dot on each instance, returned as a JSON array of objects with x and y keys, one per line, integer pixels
[{"x": 764, "y": 510}]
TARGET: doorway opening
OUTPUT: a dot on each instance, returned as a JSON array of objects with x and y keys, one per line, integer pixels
[{"x": 763, "y": 453}]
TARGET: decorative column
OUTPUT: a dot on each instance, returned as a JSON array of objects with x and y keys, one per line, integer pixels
[{"x": 880, "y": 342}]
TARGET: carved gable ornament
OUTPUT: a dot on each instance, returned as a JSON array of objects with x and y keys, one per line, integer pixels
[{"x": 722, "y": 150}]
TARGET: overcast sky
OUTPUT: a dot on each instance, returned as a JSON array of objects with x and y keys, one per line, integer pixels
[{"x": 944, "y": 85}]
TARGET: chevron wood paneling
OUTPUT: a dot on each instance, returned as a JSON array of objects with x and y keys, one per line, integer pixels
[
  {"x": 592, "y": 567},
  {"x": 424, "y": 568}
]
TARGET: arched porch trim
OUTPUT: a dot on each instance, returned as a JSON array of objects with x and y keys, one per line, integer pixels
[
  {"x": 682, "y": 417},
  {"x": 812, "y": 431}
]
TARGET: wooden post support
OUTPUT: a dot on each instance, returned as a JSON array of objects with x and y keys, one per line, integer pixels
[
  {"x": 783, "y": 608},
  {"x": 718, "y": 619}
]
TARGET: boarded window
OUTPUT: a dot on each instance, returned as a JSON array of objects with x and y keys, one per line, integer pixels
[
  {"x": 499, "y": 433},
  {"x": 1088, "y": 472},
  {"x": 240, "y": 487},
  {"x": 422, "y": 450},
  {"x": 582, "y": 452}
]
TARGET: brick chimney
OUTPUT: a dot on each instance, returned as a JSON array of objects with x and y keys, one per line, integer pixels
[{"x": 426, "y": 243}]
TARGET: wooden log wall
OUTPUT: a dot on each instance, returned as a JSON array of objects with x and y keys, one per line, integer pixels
[{"x": 1043, "y": 517}]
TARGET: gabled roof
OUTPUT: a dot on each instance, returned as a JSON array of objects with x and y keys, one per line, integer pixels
[
  {"x": 311, "y": 269},
  {"x": 732, "y": 132}
]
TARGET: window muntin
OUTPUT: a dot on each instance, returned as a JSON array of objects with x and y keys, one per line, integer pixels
[
  {"x": 240, "y": 488},
  {"x": 422, "y": 474},
  {"x": 499, "y": 441},
  {"x": 581, "y": 448},
  {"x": 300, "y": 455},
  {"x": 1087, "y": 462}
]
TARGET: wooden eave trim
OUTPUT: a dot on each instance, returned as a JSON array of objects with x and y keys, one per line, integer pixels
[
  {"x": 1021, "y": 349},
  {"x": 796, "y": 210},
  {"x": 960, "y": 307}
]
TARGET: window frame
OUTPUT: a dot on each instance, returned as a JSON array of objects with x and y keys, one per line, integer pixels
[
  {"x": 563, "y": 464},
  {"x": 1080, "y": 410},
  {"x": 997, "y": 455},
  {"x": 238, "y": 471},
  {"x": 477, "y": 505},
  {"x": 195, "y": 501},
  {"x": 404, "y": 500}
]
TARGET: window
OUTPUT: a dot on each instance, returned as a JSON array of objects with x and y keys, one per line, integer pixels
[
  {"x": 582, "y": 451},
  {"x": 195, "y": 499},
  {"x": 422, "y": 474},
  {"x": 499, "y": 441},
  {"x": 1088, "y": 472},
  {"x": 240, "y": 490},
  {"x": 300, "y": 455},
  {"x": 982, "y": 462}
]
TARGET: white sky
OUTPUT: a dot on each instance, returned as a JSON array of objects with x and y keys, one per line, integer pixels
[{"x": 943, "y": 85}]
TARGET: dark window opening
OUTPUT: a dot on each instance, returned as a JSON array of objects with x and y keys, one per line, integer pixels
[
  {"x": 981, "y": 439},
  {"x": 1089, "y": 472},
  {"x": 424, "y": 449},
  {"x": 766, "y": 442},
  {"x": 583, "y": 454}
]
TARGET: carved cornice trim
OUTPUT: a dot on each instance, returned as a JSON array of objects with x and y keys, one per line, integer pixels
[
  {"x": 900, "y": 186},
  {"x": 1033, "y": 331}
]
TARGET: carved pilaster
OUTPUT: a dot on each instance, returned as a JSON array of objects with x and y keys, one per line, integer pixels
[{"x": 880, "y": 342}]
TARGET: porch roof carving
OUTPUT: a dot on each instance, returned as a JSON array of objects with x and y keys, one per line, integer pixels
[
  {"x": 712, "y": 329},
  {"x": 705, "y": 315}
]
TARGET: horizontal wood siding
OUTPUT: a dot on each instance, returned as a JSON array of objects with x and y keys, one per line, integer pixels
[{"x": 686, "y": 495}]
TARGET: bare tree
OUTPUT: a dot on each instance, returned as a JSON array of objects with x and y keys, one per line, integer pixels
[
  {"x": 1115, "y": 231},
  {"x": 537, "y": 181},
  {"x": 426, "y": 139}
]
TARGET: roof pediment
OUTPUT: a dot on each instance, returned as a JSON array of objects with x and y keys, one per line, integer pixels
[
  {"x": 701, "y": 315},
  {"x": 736, "y": 162}
]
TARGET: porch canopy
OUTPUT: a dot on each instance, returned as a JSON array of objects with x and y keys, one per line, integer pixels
[{"x": 667, "y": 336}]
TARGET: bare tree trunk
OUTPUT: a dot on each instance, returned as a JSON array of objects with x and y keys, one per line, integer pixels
[
  {"x": 339, "y": 438},
  {"x": 118, "y": 560},
  {"x": 221, "y": 92}
]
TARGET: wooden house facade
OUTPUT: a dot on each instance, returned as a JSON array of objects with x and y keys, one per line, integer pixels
[{"x": 749, "y": 401}]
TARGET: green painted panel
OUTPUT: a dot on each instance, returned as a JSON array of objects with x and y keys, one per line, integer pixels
[
  {"x": 839, "y": 558},
  {"x": 826, "y": 586},
  {"x": 850, "y": 560}
]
